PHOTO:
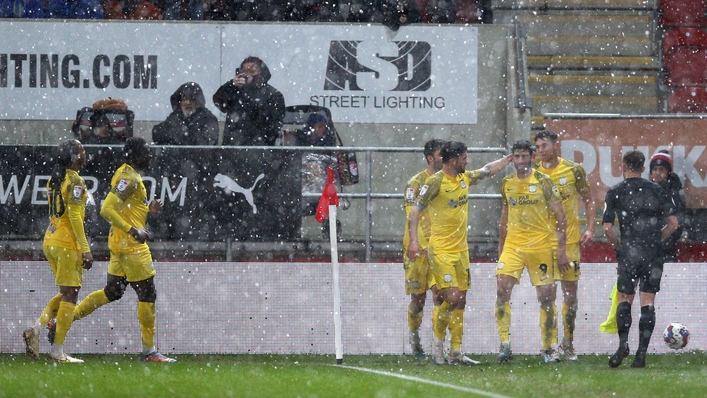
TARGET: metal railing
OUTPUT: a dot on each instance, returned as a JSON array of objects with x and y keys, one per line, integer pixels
[{"x": 369, "y": 195}]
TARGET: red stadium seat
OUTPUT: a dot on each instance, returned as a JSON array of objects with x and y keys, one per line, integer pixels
[
  {"x": 683, "y": 12},
  {"x": 685, "y": 57},
  {"x": 688, "y": 100},
  {"x": 681, "y": 37},
  {"x": 686, "y": 66}
]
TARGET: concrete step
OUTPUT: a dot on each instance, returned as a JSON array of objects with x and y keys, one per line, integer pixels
[
  {"x": 593, "y": 85},
  {"x": 592, "y": 62},
  {"x": 625, "y": 105},
  {"x": 576, "y": 4},
  {"x": 600, "y": 23},
  {"x": 590, "y": 45}
]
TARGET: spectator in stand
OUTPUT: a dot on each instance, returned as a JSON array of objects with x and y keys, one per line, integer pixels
[
  {"x": 315, "y": 133},
  {"x": 254, "y": 109},
  {"x": 661, "y": 173},
  {"x": 101, "y": 131},
  {"x": 145, "y": 10},
  {"x": 131, "y": 9},
  {"x": 21, "y": 9},
  {"x": 77, "y": 9},
  {"x": 190, "y": 123},
  {"x": 396, "y": 13},
  {"x": 190, "y": 10}
]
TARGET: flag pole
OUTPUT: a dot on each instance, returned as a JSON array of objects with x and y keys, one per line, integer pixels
[{"x": 335, "y": 285}]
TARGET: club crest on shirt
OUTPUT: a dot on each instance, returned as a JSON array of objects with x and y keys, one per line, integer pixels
[
  {"x": 122, "y": 185},
  {"x": 533, "y": 188},
  {"x": 410, "y": 194},
  {"x": 423, "y": 190},
  {"x": 78, "y": 189},
  {"x": 463, "y": 184},
  {"x": 563, "y": 180}
]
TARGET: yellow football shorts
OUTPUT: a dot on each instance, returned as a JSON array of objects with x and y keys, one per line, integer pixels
[
  {"x": 66, "y": 265},
  {"x": 418, "y": 275},
  {"x": 134, "y": 266},
  {"x": 538, "y": 262},
  {"x": 450, "y": 269},
  {"x": 573, "y": 273}
]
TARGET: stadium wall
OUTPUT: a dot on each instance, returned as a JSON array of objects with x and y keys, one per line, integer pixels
[
  {"x": 471, "y": 67},
  {"x": 286, "y": 308}
]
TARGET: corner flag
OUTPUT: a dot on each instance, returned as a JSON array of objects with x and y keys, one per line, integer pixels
[{"x": 329, "y": 197}]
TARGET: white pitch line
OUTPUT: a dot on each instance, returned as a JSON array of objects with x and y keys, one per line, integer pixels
[{"x": 425, "y": 381}]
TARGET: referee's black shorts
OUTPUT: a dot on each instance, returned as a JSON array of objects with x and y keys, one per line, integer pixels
[{"x": 639, "y": 264}]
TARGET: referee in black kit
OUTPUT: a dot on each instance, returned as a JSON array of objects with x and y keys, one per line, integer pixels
[{"x": 641, "y": 206}]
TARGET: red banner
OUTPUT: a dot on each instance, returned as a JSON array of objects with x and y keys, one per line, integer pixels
[{"x": 599, "y": 144}]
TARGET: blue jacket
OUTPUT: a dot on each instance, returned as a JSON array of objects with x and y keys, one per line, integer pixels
[
  {"x": 21, "y": 9},
  {"x": 74, "y": 9}
]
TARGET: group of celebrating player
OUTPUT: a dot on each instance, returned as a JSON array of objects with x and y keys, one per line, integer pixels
[
  {"x": 539, "y": 231},
  {"x": 66, "y": 247}
]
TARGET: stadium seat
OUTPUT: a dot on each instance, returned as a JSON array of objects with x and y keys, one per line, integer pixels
[
  {"x": 683, "y": 12},
  {"x": 686, "y": 67},
  {"x": 685, "y": 57},
  {"x": 688, "y": 100},
  {"x": 681, "y": 37}
]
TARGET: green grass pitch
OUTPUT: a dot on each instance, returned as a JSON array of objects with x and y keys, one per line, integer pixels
[{"x": 381, "y": 376}]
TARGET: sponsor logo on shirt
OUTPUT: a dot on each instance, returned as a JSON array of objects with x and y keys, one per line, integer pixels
[
  {"x": 410, "y": 194},
  {"x": 122, "y": 185}
]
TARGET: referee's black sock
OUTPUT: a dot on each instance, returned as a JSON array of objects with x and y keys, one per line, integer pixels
[
  {"x": 645, "y": 326},
  {"x": 623, "y": 319}
]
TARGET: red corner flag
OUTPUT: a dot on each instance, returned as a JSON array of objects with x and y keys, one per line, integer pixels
[{"x": 329, "y": 197}]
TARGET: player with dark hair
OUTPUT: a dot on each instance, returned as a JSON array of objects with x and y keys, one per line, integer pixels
[
  {"x": 641, "y": 206},
  {"x": 126, "y": 208},
  {"x": 446, "y": 193},
  {"x": 527, "y": 235},
  {"x": 571, "y": 181},
  {"x": 65, "y": 246},
  {"x": 418, "y": 275}
]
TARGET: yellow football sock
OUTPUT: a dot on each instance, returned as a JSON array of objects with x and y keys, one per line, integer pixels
[
  {"x": 569, "y": 316},
  {"x": 50, "y": 311},
  {"x": 64, "y": 318},
  {"x": 90, "y": 303},
  {"x": 443, "y": 317},
  {"x": 146, "y": 316},
  {"x": 610, "y": 325},
  {"x": 414, "y": 320},
  {"x": 503, "y": 322},
  {"x": 548, "y": 326},
  {"x": 456, "y": 330},
  {"x": 435, "y": 314}
]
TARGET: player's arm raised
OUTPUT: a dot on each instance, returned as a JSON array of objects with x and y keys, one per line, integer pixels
[{"x": 496, "y": 166}]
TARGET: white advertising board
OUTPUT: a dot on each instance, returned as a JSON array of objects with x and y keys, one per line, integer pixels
[{"x": 366, "y": 74}]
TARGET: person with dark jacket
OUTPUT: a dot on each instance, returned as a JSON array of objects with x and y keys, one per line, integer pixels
[
  {"x": 315, "y": 133},
  {"x": 190, "y": 123},
  {"x": 661, "y": 172},
  {"x": 254, "y": 109}
]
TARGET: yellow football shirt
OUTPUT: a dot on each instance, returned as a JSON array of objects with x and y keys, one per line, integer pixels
[
  {"x": 530, "y": 221},
  {"x": 571, "y": 181},
  {"x": 67, "y": 210},
  {"x": 125, "y": 206},
  {"x": 412, "y": 189},
  {"x": 448, "y": 201}
]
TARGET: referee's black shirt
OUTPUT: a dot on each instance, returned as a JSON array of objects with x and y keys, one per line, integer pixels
[{"x": 641, "y": 207}]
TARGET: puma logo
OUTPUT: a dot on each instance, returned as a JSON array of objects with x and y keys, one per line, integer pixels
[{"x": 228, "y": 185}]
